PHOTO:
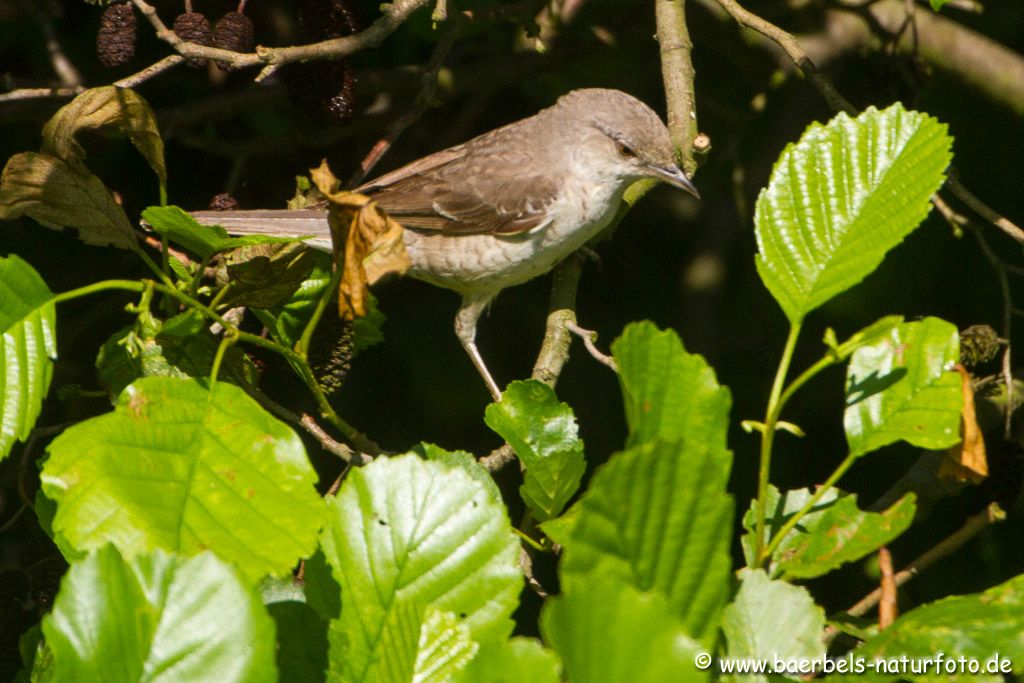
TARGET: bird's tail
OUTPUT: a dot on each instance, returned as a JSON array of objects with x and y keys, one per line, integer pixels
[{"x": 310, "y": 224}]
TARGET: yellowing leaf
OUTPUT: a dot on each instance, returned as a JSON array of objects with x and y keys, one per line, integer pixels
[
  {"x": 54, "y": 193},
  {"x": 967, "y": 461},
  {"x": 104, "y": 107},
  {"x": 372, "y": 243}
]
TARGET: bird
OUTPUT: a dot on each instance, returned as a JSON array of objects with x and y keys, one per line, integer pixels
[{"x": 508, "y": 205}]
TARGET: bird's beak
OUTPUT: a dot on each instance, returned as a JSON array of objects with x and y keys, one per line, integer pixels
[{"x": 674, "y": 176}]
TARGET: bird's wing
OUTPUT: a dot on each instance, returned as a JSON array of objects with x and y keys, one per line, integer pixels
[{"x": 466, "y": 190}]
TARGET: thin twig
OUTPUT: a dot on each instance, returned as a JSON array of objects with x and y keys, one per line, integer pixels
[
  {"x": 308, "y": 423},
  {"x": 836, "y": 101},
  {"x": 424, "y": 100},
  {"x": 971, "y": 528},
  {"x": 677, "y": 74},
  {"x": 589, "y": 337},
  {"x": 887, "y": 608},
  {"x": 394, "y": 16}
]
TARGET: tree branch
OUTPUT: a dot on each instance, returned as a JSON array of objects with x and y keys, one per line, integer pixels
[{"x": 677, "y": 75}]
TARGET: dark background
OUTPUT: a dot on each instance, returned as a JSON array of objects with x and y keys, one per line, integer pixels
[{"x": 683, "y": 264}]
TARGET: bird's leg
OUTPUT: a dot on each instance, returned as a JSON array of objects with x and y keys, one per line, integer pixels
[{"x": 465, "y": 329}]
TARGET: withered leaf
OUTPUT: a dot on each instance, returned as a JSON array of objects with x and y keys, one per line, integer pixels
[
  {"x": 371, "y": 241},
  {"x": 53, "y": 193},
  {"x": 108, "y": 106},
  {"x": 967, "y": 461},
  {"x": 264, "y": 275}
]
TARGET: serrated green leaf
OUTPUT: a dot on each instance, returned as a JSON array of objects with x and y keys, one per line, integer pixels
[
  {"x": 106, "y": 107},
  {"x": 668, "y": 393},
  {"x": 543, "y": 433},
  {"x": 606, "y": 631},
  {"x": 28, "y": 321},
  {"x": 658, "y": 516},
  {"x": 833, "y": 533},
  {"x": 510, "y": 661},
  {"x": 158, "y": 617},
  {"x": 405, "y": 530},
  {"x": 842, "y": 197},
  {"x": 902, "y": 387},
  {"x": 463, "y": 460},
  {"x": 444, "y": 648},
  {"x": 772, "y": 620},
  {"x": 164, "y": 350},
  {"x": 181, "y": 468},
  {"x": 288, "y": 320},
  {"x": 985, "y": 627},
  {"x": 51, "y": 192},
  {"x": 202, "y": 240}
]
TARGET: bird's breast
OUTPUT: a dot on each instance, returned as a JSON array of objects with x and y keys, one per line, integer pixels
[{"x": 481, "y": 263}]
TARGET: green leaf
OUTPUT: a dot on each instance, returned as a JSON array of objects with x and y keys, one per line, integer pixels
[
  {"x": 772, "y": 620},
  {"x": 658, "y": 516},
  {"x": 28, "y": 321},
  {"x": 182, "y": 468},
  {"x": 202, "y": 240},
  {"x": 902, "y": 387},
  {"x": 264, "y": 275},
  {"x": 301, "y": 652},
  {"x": 606, "y": 631},
  {"x": 938, "y": 4},
  {"x": 543, "y": 433},
  {"x": 833, "y": 533},
  {"x": 668, "y": 393},
  {"x": 288, "y": 320},
  {"x": 103, "y": 107},
  {"x": 408, "y": 531},
  {"x": 54, "y": 194},
  {"x": 158, "y": 617},
  {"x": 463, "y": 460},
  {"x": 985, "y": 627},
  {"x": 842, "y": 197},
  {"x": 161, "y": 350},
  {"x": 516, "y": 659}
]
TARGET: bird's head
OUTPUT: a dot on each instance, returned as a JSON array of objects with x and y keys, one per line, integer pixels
[{"x": 632, "y": 138}]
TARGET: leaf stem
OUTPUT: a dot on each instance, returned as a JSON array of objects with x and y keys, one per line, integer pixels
[
  {"x": 357, "y": 438},
  {"x": 302, "y": 348},
  {"x": 226, "y": 341},
  {"x": 807, "y": 507},
  {"x": 768, "y": 436}
]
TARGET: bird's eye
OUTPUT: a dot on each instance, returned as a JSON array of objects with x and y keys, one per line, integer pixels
[{"x": 625, "y": 151}]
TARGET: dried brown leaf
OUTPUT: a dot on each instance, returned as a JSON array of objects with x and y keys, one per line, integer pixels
[
  {"x": 371, "y": 240},
  {"x": 966, "y": 462},
  {"x": 108, "y": 106},
  {"x": 50, "y": 191}
]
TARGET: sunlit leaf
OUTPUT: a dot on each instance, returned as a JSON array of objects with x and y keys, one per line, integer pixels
[
  {"x": 543, "y": 433},
  {"x": 404, "y": 531},
  {"x": 772, "y": 620},
  {"x": 28, "y": 321},
  {"x": 106, "y": 107},
  {"x": 158, "y": 617},
  {"x": 202, "y": 240},
  {"x": 987, "y": 628},
  {"x": 842, "y": 197},
  {"x": 515, "y": 659},
  {"x": 49, "y": 191},
  {"x": 668, "y": 393},
  {"x": 903, "y": 387},
  {"x": 833, "y": 533},
  {"x": 181, "y": 468},
  {"x": 606, "y": 631},
  {"x": 658, "y": 516}
]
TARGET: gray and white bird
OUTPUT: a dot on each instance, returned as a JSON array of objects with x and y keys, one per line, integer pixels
[{"x": 508, "y": 205}]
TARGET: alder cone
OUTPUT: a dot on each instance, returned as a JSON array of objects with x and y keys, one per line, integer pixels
[
  {"x": 325, "y": 90},
  {"x": 194, "y": 27},
  {"x": 115, "y": 39},
  {"x": 233, "y": 32}
]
